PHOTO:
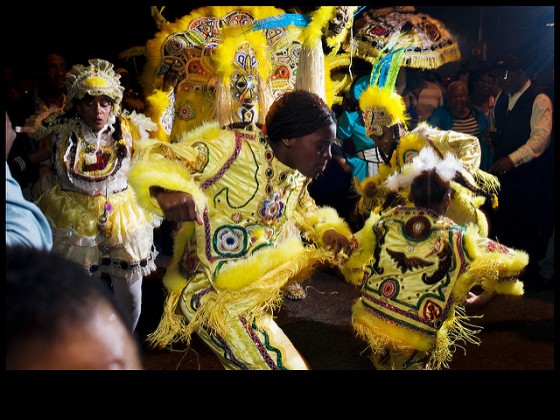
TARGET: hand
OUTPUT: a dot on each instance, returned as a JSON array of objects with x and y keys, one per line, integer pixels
[
  {"x": 177, "y": 206},
  {"x": 502, "y": 166},
  {"x": 479, "y": 300},
  {"x": 335, "y": 242}
]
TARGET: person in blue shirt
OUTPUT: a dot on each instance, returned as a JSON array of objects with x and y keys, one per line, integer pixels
[
  {"x": 26, "y": 225},
  {"x": 359, "y": 149}
]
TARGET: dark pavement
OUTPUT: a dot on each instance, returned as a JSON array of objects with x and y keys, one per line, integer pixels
[{"x": 518, "y": 331}]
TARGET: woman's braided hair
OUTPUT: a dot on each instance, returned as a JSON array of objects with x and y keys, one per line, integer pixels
[{"x": 296, "y": 114}]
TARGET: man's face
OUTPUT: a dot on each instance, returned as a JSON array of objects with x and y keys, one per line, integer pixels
[
  {"x": 508, "y": 80},
  {"x": 55, "y": 71}
]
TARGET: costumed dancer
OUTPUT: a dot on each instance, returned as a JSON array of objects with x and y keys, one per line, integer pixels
[
  {"x": 416, "y": 267},
  {"x": 248, "y": 225},
  {"x": 385, "y": 120},
  {"x": 94, "y": 216}
]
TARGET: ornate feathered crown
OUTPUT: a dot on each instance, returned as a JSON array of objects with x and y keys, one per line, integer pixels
[
  {"x": 242, "y": 61},
  {"x": 97, "y": 79},
  {"x": 381, "y": 105}
]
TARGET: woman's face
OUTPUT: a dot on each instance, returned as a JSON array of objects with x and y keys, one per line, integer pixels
[
  {"x": 459, "y": 100},
  {"x": 312, "y": 152},
  {"x": 95, "y": 110}
]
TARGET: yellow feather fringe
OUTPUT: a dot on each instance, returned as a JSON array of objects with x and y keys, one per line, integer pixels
[
  {"x": 156, "y": 104},
  {"x": 252, "y": 301},
  {"x": 353, "y": 268},
  {"x": 373, "y": 97},
  {"x": 155, "y": 170}
]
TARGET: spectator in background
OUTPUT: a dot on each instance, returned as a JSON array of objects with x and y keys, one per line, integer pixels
[
  {"x": 430, "y": 96},
  {"x": 25, "y": 223},
  {"x": 484, "y": 89},
  {"x": 57, "y": 318},
  {"x": 458, "y": 114},
  {"x": 524, "y": 118},
  {"x": 29, "y": 157},
  {"x": 422, "y": 94},
  {"x": 410, "y": 96},
  {"x": 133, "y": 98}
]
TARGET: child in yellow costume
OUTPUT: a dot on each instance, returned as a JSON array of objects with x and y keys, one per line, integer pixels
[
  {"x": 242, "y": 199},
  {"x": 416, "y": 267}
]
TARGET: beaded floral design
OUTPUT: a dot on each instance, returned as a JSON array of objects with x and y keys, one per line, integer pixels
[
  {"x": 230, "y": 241},
  {"x": 272, "y": 209}
]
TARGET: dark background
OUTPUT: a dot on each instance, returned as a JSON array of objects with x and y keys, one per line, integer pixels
[{"x": 104, "y": 28}]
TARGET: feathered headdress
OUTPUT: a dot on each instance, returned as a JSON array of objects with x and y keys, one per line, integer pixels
[
  {"x": 381, "y": 107},
  {"x": 241, "y": 55},
  {"x": 97, "y": 79},
  {"x": 380, "y": 104},
  {"x": 333, "y": 24}
]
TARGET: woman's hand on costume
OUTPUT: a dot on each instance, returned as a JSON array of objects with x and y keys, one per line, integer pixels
[
  {"x": 177, "y": 206},
  {"x": 336, "y": 242}
]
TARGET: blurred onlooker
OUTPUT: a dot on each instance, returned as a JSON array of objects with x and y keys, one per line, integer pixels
[
  {"x": 484, "y": 88},
  {"x": 58, "y": 318},
  {"x": 431, "y": 95},
  {"x": 410, "y": 96},
  {"x": 29, "y": 158},
  {"x": 133, "y": 99},
  {"x": 423, "y": 93},
  {"x": 522, "y": 160},
  {"x": 458, "y": 114},
  {"x": 26, "y": 225}
]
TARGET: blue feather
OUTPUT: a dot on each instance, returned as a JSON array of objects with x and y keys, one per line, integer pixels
[
  {"x": 280, "y": 21},
  {"x": 359, "y": 11}
]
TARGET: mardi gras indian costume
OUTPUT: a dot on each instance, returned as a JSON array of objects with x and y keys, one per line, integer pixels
[
  {"x": 179, "y": 77},
  {"x": 416, "y": 267},
  {"x": 382, "y": 108},
  {"x": 92, "y": 212},
  {"x": 226, "y": 275}
]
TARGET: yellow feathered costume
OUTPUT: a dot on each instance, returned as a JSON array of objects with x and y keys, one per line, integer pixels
[
  {"x": 416, "y": 268},
  {"x": 230, "y": 270}
]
